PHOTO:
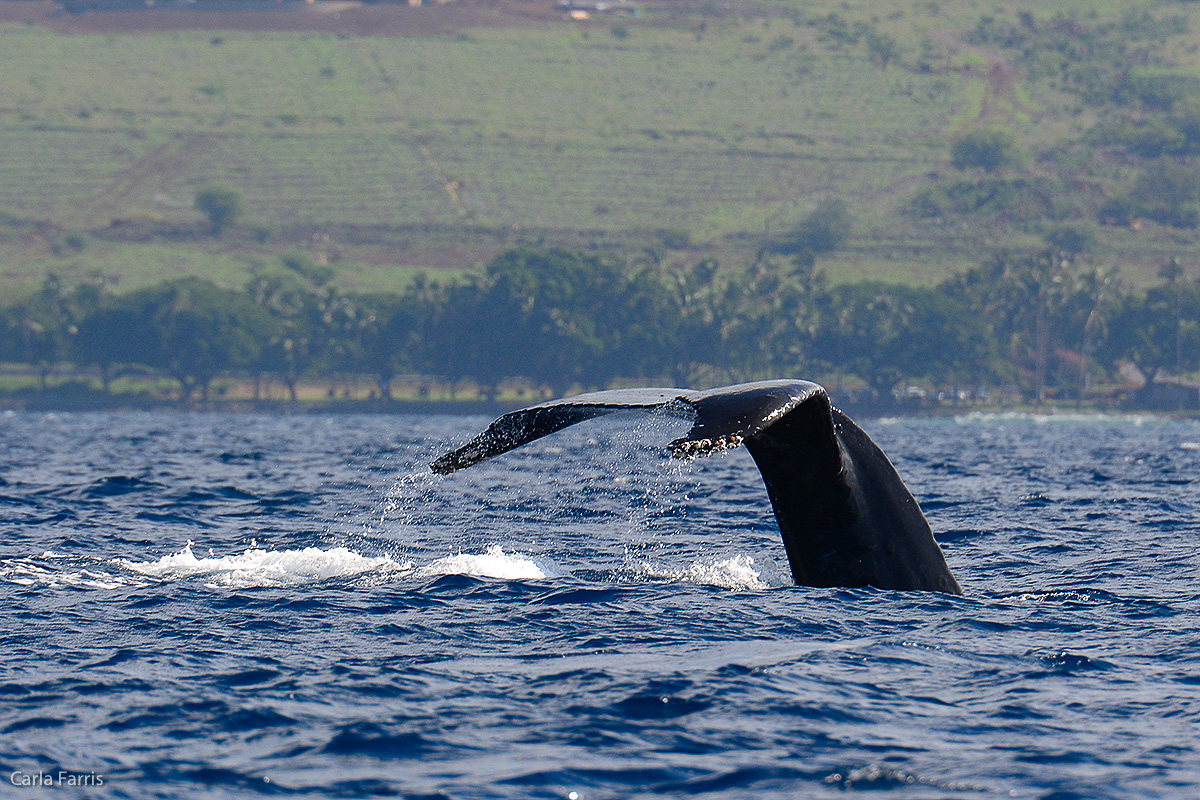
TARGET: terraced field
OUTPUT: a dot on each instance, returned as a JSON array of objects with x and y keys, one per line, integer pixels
[
  {"x": 722, "y": 127},
  {"x": 52, "y": 174},
  {"x": 539, "y": 128},
  {"x": 316, "y": 178}
]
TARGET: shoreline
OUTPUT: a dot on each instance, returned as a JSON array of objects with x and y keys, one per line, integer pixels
[{"x": 11, "y": 403}]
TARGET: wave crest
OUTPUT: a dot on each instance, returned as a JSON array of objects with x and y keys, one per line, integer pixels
[
  {"x": 257, "y": 567},
  {"x": 493, "y": 563}
]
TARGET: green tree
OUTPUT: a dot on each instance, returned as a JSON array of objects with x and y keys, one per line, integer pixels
[
  {"x": 108, "y": 338},
  {"x": 1148, "y": 331},
  {"x": 692, "y": 323},
  {"x": 774, "y": 312},
  {"x": 30, "y": 336},
  {"x": 1160, "y": 328},
  {"x": 40, "y": 329},
  {"x": 194, "y": 330},
  {"x": 221, "y": 203},
  {"x": 550, "y": 314},
  {"x": 884, "y": 333},
  {"x": 882, "y": 49},
  {"x": 1072, "y": 238},
  {"x": 394, "y": 339},
  {"x": 824, "y": 230},
  {"x": 293, "y": 349},
  {"x": 1169, "y": 192},
  {"x": 989, "y": 149},
  {"x": 1166, "y": 191},
  {"x": 457, "y": 349},
  {"x": 343, "y": 321},
  {"x": 1041, "y": 307}
]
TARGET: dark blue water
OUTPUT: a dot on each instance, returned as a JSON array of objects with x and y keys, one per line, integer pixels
[{"x": 233, "y": 606}]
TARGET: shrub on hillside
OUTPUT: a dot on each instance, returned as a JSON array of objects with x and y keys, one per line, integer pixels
[
  {"x": 1072, "y": 238},
  {"x": 988, "y": 149},
  {"x": 1166, "y": 192},
  {"x": 824, "y": 230},
  {"x": 221, "y": 203},
  {"x": 1019, "y": 198}
]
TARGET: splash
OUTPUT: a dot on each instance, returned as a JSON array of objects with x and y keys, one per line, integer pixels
[
  {"x": 257, "y": 567},
  {"x": 494, "y": 563},
  {"x": 732, "y": 573}
]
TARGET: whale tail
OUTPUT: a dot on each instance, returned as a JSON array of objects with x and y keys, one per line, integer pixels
[{"x": 845, "y": 516}]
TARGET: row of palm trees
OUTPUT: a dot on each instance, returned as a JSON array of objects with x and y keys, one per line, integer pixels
[{"x": 561, "y": 319}]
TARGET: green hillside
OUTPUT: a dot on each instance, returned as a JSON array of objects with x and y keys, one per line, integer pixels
[{"x": 384, "y": 156}]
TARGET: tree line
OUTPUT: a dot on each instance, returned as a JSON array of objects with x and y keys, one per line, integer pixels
[{"x": 1044, "y": 322}]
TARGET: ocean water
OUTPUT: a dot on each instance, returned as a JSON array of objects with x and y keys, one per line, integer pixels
[{"x": 231, "y": 606}]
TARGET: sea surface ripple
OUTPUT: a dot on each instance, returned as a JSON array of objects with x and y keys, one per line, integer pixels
[{"x": 234, "y": 605}]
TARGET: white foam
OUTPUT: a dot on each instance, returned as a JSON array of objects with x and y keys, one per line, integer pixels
[
  {"x": 25, "y": 573},
  {"x": 731, "y": 573},
  {"x": 257, "y": 567},
  {"x": 1051, "y": 417},
  {"x": 494, "y": 563}
]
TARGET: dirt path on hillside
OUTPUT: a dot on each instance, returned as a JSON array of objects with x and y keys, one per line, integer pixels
[
  {"x": 1000, "y": 98},
  {"x": 162, "y": 160},
  {"x": 451, "y": 186}
]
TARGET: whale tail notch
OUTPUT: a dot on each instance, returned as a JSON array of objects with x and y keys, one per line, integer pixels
[{"x": 845, "y": 516}]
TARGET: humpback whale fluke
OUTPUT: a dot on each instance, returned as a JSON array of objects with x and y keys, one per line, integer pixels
[{"x": 845, "y": 516}]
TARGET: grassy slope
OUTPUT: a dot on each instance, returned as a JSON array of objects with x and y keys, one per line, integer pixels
[{"x": 556, "y": 131}]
